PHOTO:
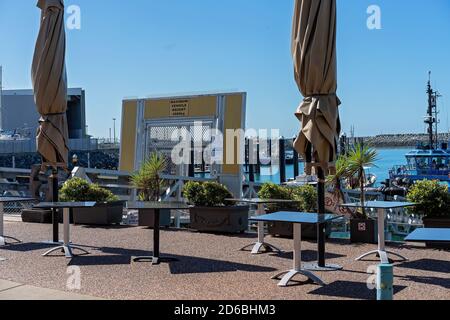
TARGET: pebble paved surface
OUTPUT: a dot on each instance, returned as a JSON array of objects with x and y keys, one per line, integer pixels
[{"x": 209, "y": 267}]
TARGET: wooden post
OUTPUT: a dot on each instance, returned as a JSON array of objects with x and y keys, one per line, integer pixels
[{"x": 282, "y": 155}]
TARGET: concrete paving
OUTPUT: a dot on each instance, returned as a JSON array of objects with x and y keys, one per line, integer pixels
[{"x": 16, "y": 291}]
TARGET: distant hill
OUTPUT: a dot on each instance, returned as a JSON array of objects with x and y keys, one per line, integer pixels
[{"x": 402, "y": 140}]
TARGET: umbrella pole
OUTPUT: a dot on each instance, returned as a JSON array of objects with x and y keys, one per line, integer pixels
[
  {"x": 321, "y": 210},
  {"x": 55, "y": 217}
]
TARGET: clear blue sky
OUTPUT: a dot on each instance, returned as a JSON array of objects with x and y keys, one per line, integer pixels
[{"x": 151, "y": 47}]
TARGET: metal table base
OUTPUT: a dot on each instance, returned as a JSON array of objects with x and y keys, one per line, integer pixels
[
  {"x": 3, "y": 237},
  {"x": 67, "y": 246},
  {"x": 297, "y": 268},
  {"x": 258, "y": 246},
  {"x": 381, "y": 251}
]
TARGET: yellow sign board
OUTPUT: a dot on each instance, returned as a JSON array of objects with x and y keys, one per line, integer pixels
[{"x": 179, "y": 108}]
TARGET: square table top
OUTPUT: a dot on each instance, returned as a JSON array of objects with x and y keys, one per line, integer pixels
[
  {"x": 65, "y": 205},
  {"x": 157, "y": 205},
  {"x": 17, "y": 199},
  {"x": 429, "y": 235},
  {"x": 262, "y": 201},
  {"x": 296, "y": 217},
  {"x": 379, "y": 205}
]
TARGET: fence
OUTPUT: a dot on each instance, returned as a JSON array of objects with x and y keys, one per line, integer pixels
[{"x": 29, "y": 145}]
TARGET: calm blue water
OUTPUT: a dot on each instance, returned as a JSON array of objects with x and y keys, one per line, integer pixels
[{"x": 387, "y": 159}]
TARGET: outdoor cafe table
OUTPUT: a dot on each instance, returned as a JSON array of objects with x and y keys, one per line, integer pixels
[
  {"x": 155, "y": 207},
  {"x": 4, "y": 200},
  {"x": 297, "y": 219},
  {"x": 381, "y": 207},
  {"x": 429, "y": 235},
  {"x": 66, "y": 246},
  {"x": 260, "y": 203}
]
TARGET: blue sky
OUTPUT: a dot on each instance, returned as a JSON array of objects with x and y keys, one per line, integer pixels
[{"x": 151, "y": 47}]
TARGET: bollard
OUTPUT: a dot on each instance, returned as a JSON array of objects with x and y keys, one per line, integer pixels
[{"x": 385, "y": 282}]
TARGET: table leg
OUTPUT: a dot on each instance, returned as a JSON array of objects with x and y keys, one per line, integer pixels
[
  {"x": 155, "y": 259},
  {"x": 66, "y": 246},
  {"x": 297, "y": 263},
  {"x": 381, "y": 251},
  {"x": 3, "y": 237},
  {"x": 257, "y": 247},
  {"x": 55, "y": 225}
]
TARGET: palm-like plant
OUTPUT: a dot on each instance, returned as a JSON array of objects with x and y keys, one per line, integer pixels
[
  {"x": 342, "y": 173},
  {"x": 148, "y": 179},
  {"x": 360, "y": 157}
]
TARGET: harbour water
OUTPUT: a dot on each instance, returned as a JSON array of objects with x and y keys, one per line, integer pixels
[{"x": 388, "y": 158}]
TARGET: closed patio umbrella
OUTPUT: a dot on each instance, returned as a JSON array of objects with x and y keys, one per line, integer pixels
[
  {"x": 50, "y": 84},
  {"x": 315, "y": 67},
  {"x": 50, "y": 93}
]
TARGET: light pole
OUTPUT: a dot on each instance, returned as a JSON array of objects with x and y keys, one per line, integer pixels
[{"x": 114, "y": 119}]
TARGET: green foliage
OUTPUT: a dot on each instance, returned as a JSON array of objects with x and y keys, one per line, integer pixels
[
  {"x": 361, "y": 156},
  {"x": 431, "y": 197},
  {"x": 147, "y": 180},
  {"x": 342, "y": 172},
  {"x": 79, "y": 190},
  {"x": 206, "y": 194},
  {"x": 274, "y": 191},
  {"x": 305, "y": 196}
]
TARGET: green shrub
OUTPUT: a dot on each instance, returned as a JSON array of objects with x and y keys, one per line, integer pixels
[
  {"x": 306, "y": 197},
  {"x": 431, "y": 197},
  {"x": 206, "y": 194},
  {"x": 79, "y": 190}
]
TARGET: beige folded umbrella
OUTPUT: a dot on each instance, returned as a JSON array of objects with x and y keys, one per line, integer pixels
[
  {"x": 314, "y": 55},
  {"x": 50, "y": 84}
]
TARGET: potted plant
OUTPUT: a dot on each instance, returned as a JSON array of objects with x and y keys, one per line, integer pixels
[
  {"x": 109, "y": 210},
  {"x": 211, "y": 212},
  {"x": 306, "y": 201},
  {"x": 149, "y": 184},
  {"x": 433, "y": 202},
  {"x": 362, "y": 228}
]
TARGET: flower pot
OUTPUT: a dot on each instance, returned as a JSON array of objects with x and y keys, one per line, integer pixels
[
  {"x": 146, "y": 218},
  {"x": 102, "y": 214},
  {"x": 286, "y": 230},
  {"x": 437, "y": 223},
  {"x": 37, "y": 216},
  {"x": 363, "y": 231},
  {"x": 233, "y": 219}
]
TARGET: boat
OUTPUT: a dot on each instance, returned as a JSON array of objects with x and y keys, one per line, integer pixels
[{"x": 429, "y": 161}]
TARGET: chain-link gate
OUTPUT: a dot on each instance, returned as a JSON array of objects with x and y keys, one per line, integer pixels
[{"x": 164, "y": 137}]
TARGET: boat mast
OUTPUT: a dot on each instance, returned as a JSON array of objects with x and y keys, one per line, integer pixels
[{"x": 432, "y": 115}]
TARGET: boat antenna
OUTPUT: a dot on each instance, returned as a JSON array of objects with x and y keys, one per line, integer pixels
[{"x": 432, "y": 115}]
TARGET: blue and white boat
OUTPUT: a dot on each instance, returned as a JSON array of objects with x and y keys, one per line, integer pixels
[{"x": 429, "y": 161}]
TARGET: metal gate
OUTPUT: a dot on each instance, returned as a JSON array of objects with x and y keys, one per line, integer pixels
[{"x": 164, "y": 136}]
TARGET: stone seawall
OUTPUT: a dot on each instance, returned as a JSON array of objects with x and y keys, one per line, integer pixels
[{"x": 402, "y": 140}]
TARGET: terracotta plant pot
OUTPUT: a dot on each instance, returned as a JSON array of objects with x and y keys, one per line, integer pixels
[
  {"x": 233, "y": 219},
  {"x": 146, "y": 218},
  {"x": 102, "y": 214},
  {"x": 363, "y": 231}
]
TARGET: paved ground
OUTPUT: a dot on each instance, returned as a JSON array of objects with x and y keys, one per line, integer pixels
[
  {"x": 210, "y": 267},
  {"x": 16, "y": 291}
]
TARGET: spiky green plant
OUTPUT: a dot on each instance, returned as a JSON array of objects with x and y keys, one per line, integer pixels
[
  {"x": 342, "y": 172},
  {"x": 148, "y": 179},
  {"x": 361, "y": 156}
]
